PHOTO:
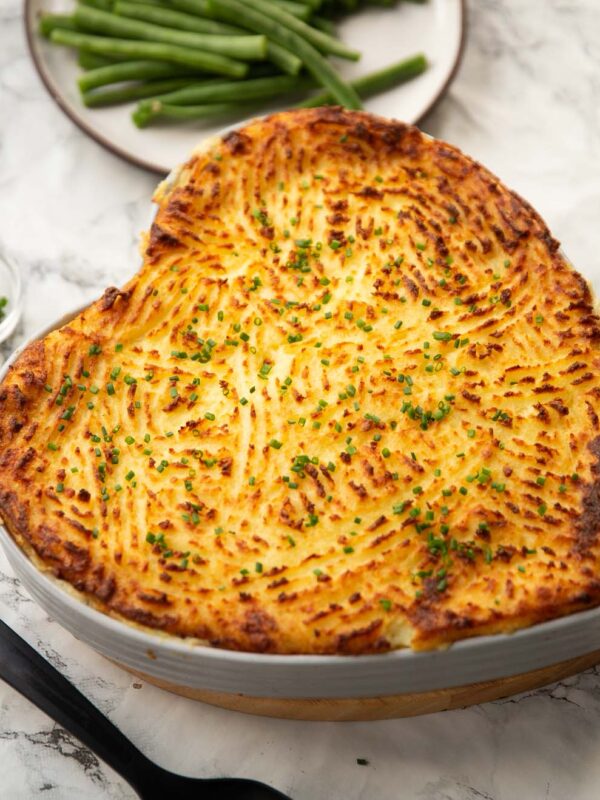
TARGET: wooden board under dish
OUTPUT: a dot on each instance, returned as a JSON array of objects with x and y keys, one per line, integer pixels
[{"x": 387, "y": 707}]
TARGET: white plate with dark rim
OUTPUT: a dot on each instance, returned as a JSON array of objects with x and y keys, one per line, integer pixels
[{"x": 383, "y": 35}]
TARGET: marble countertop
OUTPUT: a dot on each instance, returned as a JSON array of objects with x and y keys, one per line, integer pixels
[{"x": 526, "y": 102}]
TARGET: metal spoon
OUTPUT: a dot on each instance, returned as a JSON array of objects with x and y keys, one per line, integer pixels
[{"x": 37, "y": 680}]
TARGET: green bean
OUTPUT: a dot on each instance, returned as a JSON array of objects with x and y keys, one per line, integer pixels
[
  {"x": 376, "y": 82},
  {"x": 323, "y": 24},
  {"x": 85, "y": 57},
  {"x": 223, "y": 47},
  {"x": 321, "y": 41},
  {"x": 103, "y": 5},
  {"x": 92, "y": 61},
  {"x": 299, "y": 10},
  {"x": 322, "y": 71},
  {"x": 278, "y": 55},
  {"x": 199, "y": 7},
  {"x": 126, "y": 94},
  {"x": 154, "y": 51},
  {"x": 314, "y": 4},
  {"x": 174, "y": 19},
  {"x": 261, "y": 69},
  {"x": 340, "y": 6},
  {"x": 232, "y": 91},
  {"x": 158, "y": 110},
  {"x": 366, "y": 86},
  {"x": 130, "y": 71},
  {"x": 282, "y": 58},
  {"x": 49, "y": 22}
]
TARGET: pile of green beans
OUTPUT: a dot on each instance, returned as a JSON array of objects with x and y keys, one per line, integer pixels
[{"x": 202, "y": 59}]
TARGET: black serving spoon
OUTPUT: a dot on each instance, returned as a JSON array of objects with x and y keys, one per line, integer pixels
[{"x": 37, "y": 680}]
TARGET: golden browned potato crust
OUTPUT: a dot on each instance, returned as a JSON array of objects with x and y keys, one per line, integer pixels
[{"x": 349, "y": 403}]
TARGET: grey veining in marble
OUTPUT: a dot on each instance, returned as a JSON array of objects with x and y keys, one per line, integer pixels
[{"x": 527, "y": 104}]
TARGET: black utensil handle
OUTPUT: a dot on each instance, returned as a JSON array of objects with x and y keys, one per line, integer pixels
[{"x": 37, "y": 680}]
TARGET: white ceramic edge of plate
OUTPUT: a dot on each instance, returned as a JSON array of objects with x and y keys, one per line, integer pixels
[
  {"x": 71, "y": 111},
  {"x": 186, "y": 663}
]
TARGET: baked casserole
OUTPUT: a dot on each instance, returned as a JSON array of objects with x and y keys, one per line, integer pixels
[{"x": 349, "y": 403}]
